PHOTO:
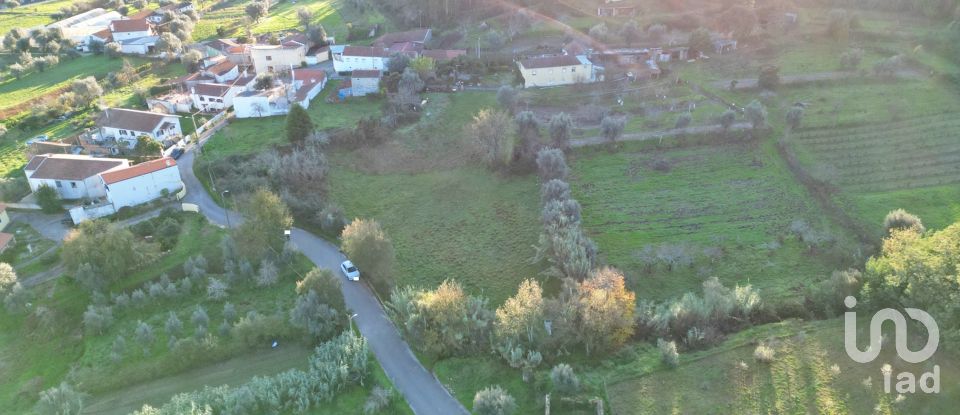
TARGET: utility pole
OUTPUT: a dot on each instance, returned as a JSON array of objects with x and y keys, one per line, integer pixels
[{"x": 226, "y": 212}]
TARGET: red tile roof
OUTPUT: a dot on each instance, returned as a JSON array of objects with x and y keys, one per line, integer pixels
[
  {"x": 141, "y": 169},
  {"x": 104, "y": 35},
  {"x": 363, "y": 73},
  {"x": 550, "y": 62},
  {"x": 222, "y": 67},
  {"x": 69, "y": 167},
  {"x": 365, "y": 51},
  {"x": 132, "y": 25},
  {"x": 5, "y": 239}
]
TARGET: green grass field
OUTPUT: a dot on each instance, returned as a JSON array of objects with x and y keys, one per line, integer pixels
[
  {"x": 332, "y": 14},
  {"x": 463, "y": 224},
  {"x": 732, "y": 197},
  {"x": 14, "y": 91},
  {"x": 30, "y": 15},
  {"x": 248, "y": 136},
  {"x": 799, "y": 381}
]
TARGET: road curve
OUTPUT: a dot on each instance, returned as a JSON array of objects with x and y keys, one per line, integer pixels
[{"x": 422, "y": 390}]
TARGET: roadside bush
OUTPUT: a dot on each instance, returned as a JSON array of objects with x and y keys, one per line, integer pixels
[
  {"x": 319, "y": 320},
  {"x": 378, "y": 400},
  {"x": 371, "y": 250},
  {"x": 493, "y": 400},
  {"x": 443, "y": 322},
  {"x": 325, "y": 284}
]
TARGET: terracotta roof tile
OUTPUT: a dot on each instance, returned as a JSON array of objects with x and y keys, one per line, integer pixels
[
  {"x": 131, "y": 25},
  {"x": 138, "y": 170},
  {"x": 550, "y": 62},
  {"x": 68, "y": 167}
]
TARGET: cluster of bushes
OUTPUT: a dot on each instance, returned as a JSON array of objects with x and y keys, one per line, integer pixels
[
  {"x": 49, "y": 43},
  {"x": 596, "y": 314},
  {"x": 334, "y": 366},
  {"x": 298, "y": 176},
  {"x": 698, "y": 321},
  {"x": 562, "y": 243},
  {"x": 14, "y": 295}
]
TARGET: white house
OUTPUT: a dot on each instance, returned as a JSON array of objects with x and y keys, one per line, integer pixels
[
  {"x": 212, "y": 97},
  {"x": 266, "y": 103},
  {"x": 270, "y": 58},
  {"x": 234, "y": 52},
  {"x": 556, "y": 70},
  {"x": 364, "y": 82},
  {"x": 139, "y": 46},
  {"x": 130, "y": 29},
  {"x": 134, "y": 185},
  {"x": 222, "y": 71},
  {"x": 125, "y": 125},
  {"x": 354, "y": 58},
  {"x": 72, "y": 176},
  {"x": 308, "y": 83}
]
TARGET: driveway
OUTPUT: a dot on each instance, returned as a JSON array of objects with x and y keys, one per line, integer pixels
[
  {"x": 47, "y": 225},
  {"x": 423, "y": 392}
]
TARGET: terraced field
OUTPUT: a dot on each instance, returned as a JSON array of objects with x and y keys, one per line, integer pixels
[
  {"x": 282, "y": 16},
  {"x": 915, "y": 153},
  {"x": 734, "y": 203}
]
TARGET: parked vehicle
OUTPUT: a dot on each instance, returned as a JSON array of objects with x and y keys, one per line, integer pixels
[
  {"x": 176, "y": 153},
  {"x": 350, "y": 271}
]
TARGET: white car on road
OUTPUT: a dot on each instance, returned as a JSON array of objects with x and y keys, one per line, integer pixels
[{"x": 350, "y": 271}]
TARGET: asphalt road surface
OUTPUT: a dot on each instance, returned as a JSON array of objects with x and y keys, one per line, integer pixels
[{"x": 423, "y": 392}]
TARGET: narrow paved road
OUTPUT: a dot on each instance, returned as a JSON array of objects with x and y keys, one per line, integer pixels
[{"x": 423, "y": 392}]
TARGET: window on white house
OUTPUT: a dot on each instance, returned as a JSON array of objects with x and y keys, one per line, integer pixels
[
  {"x": 59, "y": 184},
  {"x": 73, "y": 185},
  {"x": 201, "y": 99},
  {"x": 269, "y": 58}
]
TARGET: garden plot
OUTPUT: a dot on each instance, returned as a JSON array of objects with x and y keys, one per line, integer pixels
[
  {"x": 723, "y": 210},
  {"x": 914, "y": 153}
]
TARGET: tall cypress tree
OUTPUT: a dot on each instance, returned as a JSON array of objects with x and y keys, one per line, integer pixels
[{"x": 299, "y": 124}]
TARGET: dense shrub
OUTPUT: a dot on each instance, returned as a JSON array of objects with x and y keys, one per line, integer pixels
[
  {"x": 443, "y": 322},
  {"x": 564, "y": 380},
  {"x": 552, "y": 164},
  {"x": 335, "y": 365},
  {"x": 668, "y": 352},
  {"x": 493, "y": 400},
  {"x": 900, "y": 219}
]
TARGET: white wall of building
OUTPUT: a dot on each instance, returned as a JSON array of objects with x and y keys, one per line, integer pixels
[
  {"x": 246, "y": 107},
  {"x": 276, "y": 58},
  {"x": 363, "y": 86},
  {"x": 91, "y": 187},
  {"x": 343, "y": 63},
  {"x": 144, "y": 188}
]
